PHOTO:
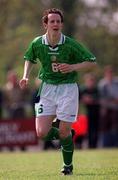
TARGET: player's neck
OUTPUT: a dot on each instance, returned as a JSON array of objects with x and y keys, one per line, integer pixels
[{"x": 53, "y": 39}]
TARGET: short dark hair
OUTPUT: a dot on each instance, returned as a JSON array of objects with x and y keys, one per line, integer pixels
[{"x": 51, "y": 11}]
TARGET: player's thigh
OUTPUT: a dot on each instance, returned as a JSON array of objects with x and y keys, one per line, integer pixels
[
  {"x": 65, "y": 129},
  {"x": 43, "y": 124}
]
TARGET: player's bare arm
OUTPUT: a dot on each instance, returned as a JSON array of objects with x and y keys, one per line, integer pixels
[
  {"x": 66, "y": 68},
  {"x": 27, "y": 69}
]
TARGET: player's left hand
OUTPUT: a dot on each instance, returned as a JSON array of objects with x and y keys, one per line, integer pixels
[{"x": 66, "y": 68}]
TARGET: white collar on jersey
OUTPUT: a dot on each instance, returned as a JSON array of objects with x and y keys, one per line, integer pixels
[{"x": 45, "y": 41}]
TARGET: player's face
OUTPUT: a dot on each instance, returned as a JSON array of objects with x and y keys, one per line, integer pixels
[{"x": 54, "y": 24}]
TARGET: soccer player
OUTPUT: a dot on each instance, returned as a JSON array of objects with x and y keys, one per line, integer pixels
[{"x": 60, "y": 57}]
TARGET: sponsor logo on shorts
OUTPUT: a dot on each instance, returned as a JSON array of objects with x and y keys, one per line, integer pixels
[{"x": 72, "y": 115}]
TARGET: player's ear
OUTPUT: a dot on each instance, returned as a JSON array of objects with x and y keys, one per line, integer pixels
[{"x": 45, "y": 25}]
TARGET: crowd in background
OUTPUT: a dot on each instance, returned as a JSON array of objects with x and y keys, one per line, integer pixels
[{"x": 99, "y": 98}]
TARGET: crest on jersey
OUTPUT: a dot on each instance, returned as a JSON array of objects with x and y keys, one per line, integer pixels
[{"x": 53, "y": 58}]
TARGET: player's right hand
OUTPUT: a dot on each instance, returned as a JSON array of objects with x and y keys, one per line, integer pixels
[{"x": 23, "y": 83}]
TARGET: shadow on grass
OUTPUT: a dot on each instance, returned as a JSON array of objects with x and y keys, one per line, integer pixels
[{"x": 93, "y": 174}]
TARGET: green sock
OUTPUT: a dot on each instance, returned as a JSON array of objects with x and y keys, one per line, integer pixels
[
  {"x": 52, "y": 134},
  {"x": 67, "y": 146}
]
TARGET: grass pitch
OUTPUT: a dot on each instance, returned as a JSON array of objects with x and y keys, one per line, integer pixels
[{"x": 45, "y": 165}]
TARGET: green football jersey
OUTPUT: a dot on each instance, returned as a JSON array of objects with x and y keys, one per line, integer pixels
[{"x": 66, "y": 51}]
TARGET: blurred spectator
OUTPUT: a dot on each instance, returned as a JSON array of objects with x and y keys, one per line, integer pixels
[
  {"x": 109, "y": 112},
  {"x": 15, "y": 100},
  {"x": 80, "y": 127},
  {"x": 89, "y": 97},
  {"x": 1, "y": 102}
]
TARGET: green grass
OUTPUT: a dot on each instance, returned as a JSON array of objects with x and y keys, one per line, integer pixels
[{"x": 45, "y": 165}]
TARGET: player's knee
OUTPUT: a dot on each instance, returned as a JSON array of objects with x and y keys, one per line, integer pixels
[
  {"x": 41, "y": 134},
  {"x": 63, "y": 134}
]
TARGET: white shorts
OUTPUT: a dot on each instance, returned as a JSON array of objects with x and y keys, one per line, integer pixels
[{"x": 60, "y": 100}]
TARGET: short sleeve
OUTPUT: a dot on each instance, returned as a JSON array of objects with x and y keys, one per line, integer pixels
[
  {"x": 81, "y": 53},
  {"x": 30, "y": 54}
]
